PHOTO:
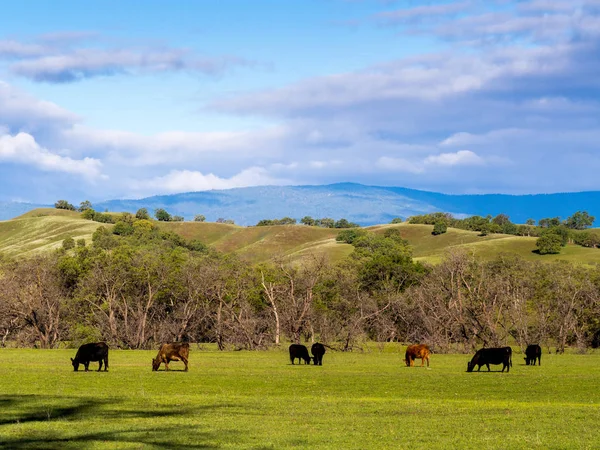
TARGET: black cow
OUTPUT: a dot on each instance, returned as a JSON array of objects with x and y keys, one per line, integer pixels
[
  {"x": 532, "y": 353},
  {"x": 97, "y": 351},
  {"x": 318, "y": 350},
  {"x": 299, "y": 351},
  {"x": 487, "y": 356}
]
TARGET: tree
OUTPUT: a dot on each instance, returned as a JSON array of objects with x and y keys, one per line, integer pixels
[
  {"x": 307, "y": 220},
  {"x": 549, "y": 222},
  {"x": 501, "y": 219},
  {"x": 579, "y": 221},
  {"x": 142, "y": 214},
  {"x": 85, "y": 205},
  {"x": 162, "y": 215},
  {"x": 326, "y": 222},
  {"x": 396, "y": 220},
  {"x": 350, "y": 235},
  {"x": 549, "y": 243},
  {"x": 530, "y": 222},
  {"x": 199, "y": 218},
  {"x": 439, "y": 228},
  {"x": 177, "y": 219},
  {"x": 63, "y": 204}
]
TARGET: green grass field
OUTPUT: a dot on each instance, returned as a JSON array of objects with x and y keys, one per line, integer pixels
[{"x": 257, "y": 400}]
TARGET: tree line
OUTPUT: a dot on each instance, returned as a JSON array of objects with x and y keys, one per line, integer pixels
[{"x": 145, "y": 286}]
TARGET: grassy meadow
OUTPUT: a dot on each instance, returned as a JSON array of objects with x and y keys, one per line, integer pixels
[{"x": 258, "y": 400}]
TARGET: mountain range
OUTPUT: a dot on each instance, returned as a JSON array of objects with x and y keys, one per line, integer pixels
[{"x": 365, "y": 205}]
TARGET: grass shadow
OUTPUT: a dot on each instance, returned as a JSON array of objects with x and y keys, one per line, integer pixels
[{"x": 39, "y": 420}]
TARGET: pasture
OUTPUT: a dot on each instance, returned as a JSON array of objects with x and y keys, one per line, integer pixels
[{"x": 257, "y": 400}]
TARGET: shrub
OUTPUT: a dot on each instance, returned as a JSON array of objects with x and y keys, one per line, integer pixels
[
  {"x": 549, "y": 243},
  {"x": 68, "y": 243},
  {"x": 439, "y": 228}
]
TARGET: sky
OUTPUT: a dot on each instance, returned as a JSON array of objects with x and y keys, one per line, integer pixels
[{"x": 108, "y": 99}]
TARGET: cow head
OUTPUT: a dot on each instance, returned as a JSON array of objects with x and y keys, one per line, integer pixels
[
  {"x": 470, "y": 366},
  {"x": 526, "y": 361},
  {"x": 407, "y": 362},
  {"x": 75, "y": 364},
  {"x": 155, "y": 364}
]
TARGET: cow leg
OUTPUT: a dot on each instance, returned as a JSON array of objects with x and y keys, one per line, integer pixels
[
  {"x": 167, "y": 364},
  {"x": 428, "y": 361},
  {"x": 185, "y": 361},
  {"x": 99, "y": 365},
  {"x": 488, "y": 366},
  {"x": 106, "y": 364},
  {"x": 540, "y": 360},
  {"x": 86, "y": 365}
]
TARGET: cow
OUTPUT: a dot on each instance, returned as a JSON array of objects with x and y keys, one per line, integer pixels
[
  {"x": 299, "y": 351},
  {"x": 532, "y": 353},
  {"x": 487, "y": 356},
  {"x": 96, "y": 351},
  {"x": 177, "y": 351},
  {"x": 318, "y": 350},
  {"x": 417, "y": 351}
]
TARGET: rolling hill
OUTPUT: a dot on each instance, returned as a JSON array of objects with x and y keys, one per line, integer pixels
[{"x": 44, "y": 229}]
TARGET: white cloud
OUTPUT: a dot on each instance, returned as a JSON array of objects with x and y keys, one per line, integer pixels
[
  {"x": 191, "y": 181},
  {"x": 460, "y": 158},
  {"x": 23, "y": 149}
]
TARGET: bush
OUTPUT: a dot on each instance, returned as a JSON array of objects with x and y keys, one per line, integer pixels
[
  {"x": 123, "y": 228},
  {"x": 439, "y": 228},
  {"x": 63, "y": 204},
  {"x": 350, "y": 235},
  {"x": 396, "y": 220},
  {"x": 68, "y": 243},
  {"x": 162, "y": 215},
  {"x": 142, "y": 214},
  {"x": 177, "y": 219},
  {"x": 549, "y": 243},
  {"x": 199, "y": 218}
]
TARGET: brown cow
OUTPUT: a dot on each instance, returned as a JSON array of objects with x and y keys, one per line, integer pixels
[
  {"x": 176, "y": 351},
  {"x": 417, "y": 351}
]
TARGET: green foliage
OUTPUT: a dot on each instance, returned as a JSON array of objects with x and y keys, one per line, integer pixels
[
  {"x": 177, "y": 219},
  {"x": 549, "y": 243},
  {"x": 142, "y": 214},
  {"x": 325, "y": 222},
  {"x": 586, "y": 239},
  {"x": 81, "y": 242},
  {"x": 104, "y": 239},
  {"x": 350, "y": 235},
  {"x": 530, "y": 222},
  {"x": 162, "y": 215},
  {"x": 63, "y": 204},
  {"x": 307, "y": 220},
  {"x": 282, "y": 221},
  {"x": 549, "y": 222},
  {"x": 199, "y": 218},
  {"x": 88, "y": 214},
  {"x": 396, "y": 220},
  {"x": 439, "y": 228},
  {"x": 580, "y": 221},
  {"x": 68, "y": 243},
  {"x": 84, "y": 206},
  {"x": 123, "y": 228}
]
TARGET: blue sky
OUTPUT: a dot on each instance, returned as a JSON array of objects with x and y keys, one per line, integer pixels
[{"x": 112, "y": 99}]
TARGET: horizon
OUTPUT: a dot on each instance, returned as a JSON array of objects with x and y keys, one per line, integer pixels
[{"x": 113, "y": 100}]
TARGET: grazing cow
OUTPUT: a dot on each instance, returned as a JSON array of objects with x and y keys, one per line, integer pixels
[
  {"x": 532, "y": 353},
  {"x": 487, "y": 356},
  {"x": 97, "y": 351},
  {"x": 299, "y": 351},
  {"x": 177, "y": 351},
  {"x": 318, "y": 350},
  {"x": 416, "y": 351}
]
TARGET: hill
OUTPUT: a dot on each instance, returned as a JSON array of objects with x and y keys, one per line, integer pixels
[{"x": 44, "y": 229}]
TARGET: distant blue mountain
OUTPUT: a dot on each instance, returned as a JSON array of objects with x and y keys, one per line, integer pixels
[
  {"x": 366, "y": 205},
  {"x": 8, "y": 210}
]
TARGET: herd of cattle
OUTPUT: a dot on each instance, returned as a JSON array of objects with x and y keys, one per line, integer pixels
[{"x": 180, "y": 351}]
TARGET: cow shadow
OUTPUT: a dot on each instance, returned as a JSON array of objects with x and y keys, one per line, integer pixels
[{"x": 37, "y": 412}]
